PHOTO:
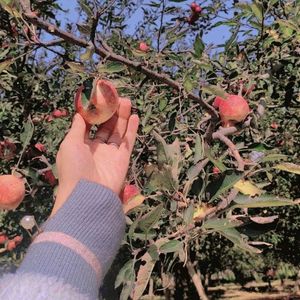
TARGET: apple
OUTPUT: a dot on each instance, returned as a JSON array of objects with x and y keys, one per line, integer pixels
[
  {"x": 143, "y": 47},
  {"x": 233, "y": 109},
  {"x": 49, "y": 177},
  {"x": 216, "y": 170},
  {"x": 12, "y": 191},
  {"x": 11, "y": 245},
  {"x": 194, "y": 5},
  {"x": 3, "y": 238},
  {"x": 129, "y": 191},
  {"x": 59, "y": 113},
  {"x": 101, "y": 105},
  {"x": 41, "y": 147}
]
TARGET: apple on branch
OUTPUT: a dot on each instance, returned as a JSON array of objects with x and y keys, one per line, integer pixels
[{"x": 12, "y": 191}]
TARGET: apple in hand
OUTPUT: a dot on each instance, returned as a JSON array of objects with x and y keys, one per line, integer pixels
[
  {"x": 97, "y": 103},
  {"x": 12, "y": 191}
]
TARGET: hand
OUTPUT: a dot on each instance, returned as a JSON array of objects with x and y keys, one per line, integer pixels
[{"x": 104, "y": 159}]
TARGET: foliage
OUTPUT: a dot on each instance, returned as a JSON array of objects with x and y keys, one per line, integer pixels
[{"x": 180, "y": 140}]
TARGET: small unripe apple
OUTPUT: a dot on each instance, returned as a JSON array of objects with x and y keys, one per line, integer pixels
[
  {"x": 101, "y": 105},
  {"x": 143, "y": 47},
  {"x": 232, "y": 110},
  {"x": 12, "y": 191},
  {"x": 129, "y": 191}
]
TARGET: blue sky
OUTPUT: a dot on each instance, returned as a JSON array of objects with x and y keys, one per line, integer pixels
[{"x": 216, "y": 36}]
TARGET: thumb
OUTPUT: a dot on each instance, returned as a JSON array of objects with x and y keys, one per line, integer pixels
[{"x": 78, "y": 129}]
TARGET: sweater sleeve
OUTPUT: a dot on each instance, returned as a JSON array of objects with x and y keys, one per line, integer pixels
[{"x": 77, "y": 245}]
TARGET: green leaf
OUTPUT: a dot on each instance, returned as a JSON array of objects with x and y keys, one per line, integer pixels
[
  {"x": 199, "y": 149},
  {"x": 151, "y": 218},
  {"x": 188, "y": 84},
  {"x": 222, "y": 23},
  {"x": 75, "y": 67},
  {"x": 234, "y": 236},
  {"x": 198, "y": 46},
  {"x": 125, "y": 273},
  {"x": 231, "y": 39},
  {"x": 228, "y": 182},
  {"x": 220, "y": 224},
  {"x": 242, "y": 201},
  {"x": 257, "y": 10},
  {"x": 163, "y": 102},
  {"x": 111, "y": 67},
  {"x": 214, "y": 90},
  {"x": 170, "y": 246},
  {"x": 218, "y": 163},
  {"x": 26, "y": 135},
  {"x": 288, "y": 167},
  {"x": 188, "y": 214},
  {"x": 274, "y": 157},
  {"x": 85, "y": 7},
  {"x": 87, "y": 54}
]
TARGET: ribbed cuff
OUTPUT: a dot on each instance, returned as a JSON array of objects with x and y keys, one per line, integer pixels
[{"x": 92, "y": 222}]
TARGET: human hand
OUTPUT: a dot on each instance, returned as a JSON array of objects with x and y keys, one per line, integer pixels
[{"x": 104, "y": 159}]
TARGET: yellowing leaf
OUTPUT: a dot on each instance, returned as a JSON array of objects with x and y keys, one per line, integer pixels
[
  {"x": 247, "y": 188},
  {"x": 202, "y": 211},
  {"x": 5, "y": 64},
  {"x": 199, "y": 213},
  {"x": 289, "y": 167},
  {"x": 143, "y": 276},
  {"x": 133, "y": 203}
]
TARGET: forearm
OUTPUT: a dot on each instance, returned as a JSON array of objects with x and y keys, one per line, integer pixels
[{"x": 79, "y": 243}]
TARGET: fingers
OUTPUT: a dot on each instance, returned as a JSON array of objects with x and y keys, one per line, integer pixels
[
  {"x": 106, "y": 129},
  {"x": 119, "y": 130},
  {"x": 78, "y": 129},
  {"x": 130, "y": 136}
]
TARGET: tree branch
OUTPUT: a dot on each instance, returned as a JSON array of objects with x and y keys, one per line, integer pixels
[
  {"x": 196, "y": 278},
  {"x": 137, "y": 66},
  {"x": 220, "y": 135}
]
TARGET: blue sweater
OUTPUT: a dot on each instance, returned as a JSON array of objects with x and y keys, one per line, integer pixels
[{"x": 69, "y": 259}]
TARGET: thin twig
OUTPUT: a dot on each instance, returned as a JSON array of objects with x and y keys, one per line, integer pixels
[{"x": 220, "y": 135}]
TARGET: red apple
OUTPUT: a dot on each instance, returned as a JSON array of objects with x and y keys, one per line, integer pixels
[
  {"x": 11, "y": 245},
  {"x": 18, "y": 239},
  {"x": 216, "y": 170},
  {"x": 232, "y": 110},
  {"x": 3, "y": 238},
  {"x": 129, "y": 191},
  {"x": 49, "y": 177},
  {"x": 103, "y": 102},
  {"x": 198, "y": 9},
  {"x": 59, "y": 113},
  {"x": 12, "y": 191},
  {"x": 41, "y": 147},
  {"x": 143, "y": 47},
  {"x": 194, "y": 5}
]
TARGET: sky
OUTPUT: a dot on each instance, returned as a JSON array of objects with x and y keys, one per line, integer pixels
[{"x": 216, "y": 36}]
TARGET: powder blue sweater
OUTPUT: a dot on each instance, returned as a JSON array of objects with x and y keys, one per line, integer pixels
[{"x": 69, "y": 259}]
